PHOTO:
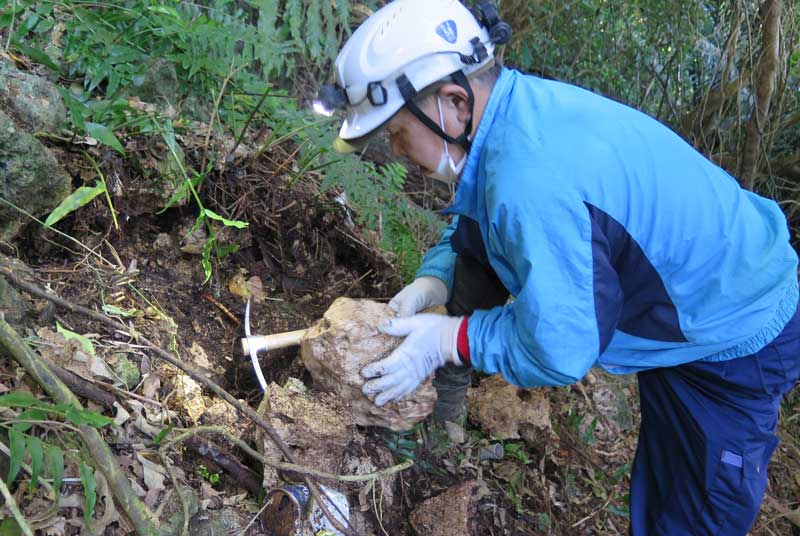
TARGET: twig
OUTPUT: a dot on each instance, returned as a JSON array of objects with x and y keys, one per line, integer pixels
[
  {"x": 184, "y": 506},
  {"x": 611, "y": 497},
  {"x": 12, "y": 505},
  {"x": 791, "y": 515},
  {"x": 222, "y": 308},
  {"x": 191, "y": 372},
  {"x": 253, "y": 519},
  {"x": 294, "y": 468},
  {"x": 230, "y": 75},
  {"x": 767, "y": 72},
  {"x": 81, "y": 386},
  {"x": 247, "y": 122}
]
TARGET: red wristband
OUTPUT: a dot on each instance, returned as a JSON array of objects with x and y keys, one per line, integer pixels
[{"x": 462, "y": 341}]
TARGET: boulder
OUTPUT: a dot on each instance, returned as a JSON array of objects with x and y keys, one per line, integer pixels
[
  {"x": 32, "y": 101},
  {"x": 30, "y": 178},
  {"x": 337, "y": 347}
]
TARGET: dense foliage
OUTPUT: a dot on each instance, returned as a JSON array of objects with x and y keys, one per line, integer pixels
[
  {"x": 235, "y": 64},
  {"x": 240, "y": 64},
  {"x": 697, "y": 66}
]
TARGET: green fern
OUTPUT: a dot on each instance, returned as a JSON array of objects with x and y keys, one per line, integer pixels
[{"x": 314, "y": 33}]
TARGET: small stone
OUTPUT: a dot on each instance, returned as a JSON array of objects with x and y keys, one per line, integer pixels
[
  {"x": 449, "y": 513},
  {"x": 455, "y": 432},
  {"x": 504, "y": 411}
]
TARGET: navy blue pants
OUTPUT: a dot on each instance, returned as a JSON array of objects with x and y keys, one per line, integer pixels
[{"x": 707, "y": 434}]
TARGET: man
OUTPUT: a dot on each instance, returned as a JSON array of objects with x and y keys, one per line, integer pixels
[{"x": 621, "y": 246}]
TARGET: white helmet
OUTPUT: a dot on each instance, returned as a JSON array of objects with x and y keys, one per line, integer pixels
[{"x": 403, "y": 48}]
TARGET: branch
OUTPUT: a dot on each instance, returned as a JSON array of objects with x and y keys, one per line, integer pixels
[
  {"x": 192, "y": 372},
  {"x": 12, "y": 505},
  {"x": 765, "y": 88},
  {"x": 294, "y": 468}
]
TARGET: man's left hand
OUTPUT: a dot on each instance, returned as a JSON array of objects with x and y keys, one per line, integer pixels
[{"x": 430, "y": 343}]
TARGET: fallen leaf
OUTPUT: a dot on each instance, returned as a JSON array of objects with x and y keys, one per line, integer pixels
[
  {"x": 199, "y": 356},
  {"x": 238, "y": 286},
  {"x": 256, "y": 289},
  {"x": 153, "y": 475},
  {"x": 98, "y": 367},
  {"x": 211, "y": 498},
  {"x": 122, "y": 415},
  {"x": 151, "y": 385}
]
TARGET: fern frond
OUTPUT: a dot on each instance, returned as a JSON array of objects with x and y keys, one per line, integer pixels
[
  {"x": 331, "y": 40},
  {"x": 314, "y": 33},
  {"x": 293, "y": 15},
  {"x": 343, "y": 11}
]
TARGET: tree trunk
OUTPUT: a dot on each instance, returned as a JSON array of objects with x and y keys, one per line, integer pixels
[{"x": 766, "y": 74}]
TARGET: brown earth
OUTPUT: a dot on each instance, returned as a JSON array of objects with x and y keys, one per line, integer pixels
[{"x": 564, "y": 476}]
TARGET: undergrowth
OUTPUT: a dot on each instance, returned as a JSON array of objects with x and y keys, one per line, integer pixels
[{"x": 232, "y": 64}]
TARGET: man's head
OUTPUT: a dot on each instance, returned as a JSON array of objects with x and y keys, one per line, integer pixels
[
  {"x": 447, "y": 104},
  {"x": 416, "y": 60}
]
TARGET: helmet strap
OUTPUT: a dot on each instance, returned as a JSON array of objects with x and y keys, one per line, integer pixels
[{"x": 409, "y": 94}]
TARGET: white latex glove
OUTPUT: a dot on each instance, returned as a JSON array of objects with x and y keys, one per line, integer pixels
[
  {"x": 423, "y": 292},
  {"x": 430, "y": 343}
]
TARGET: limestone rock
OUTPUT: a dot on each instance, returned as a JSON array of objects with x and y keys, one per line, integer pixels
[
  {"x": 505, "y": 411},
  {"x": 346, "y": 339},
  {"x": 317, "y": 427},
  {"x": 32, "y": 101},
  {"x": 450, "y": 513},
  {"x": 30, "y": 178}
]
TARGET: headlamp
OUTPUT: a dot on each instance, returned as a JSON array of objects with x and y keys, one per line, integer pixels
[{"x": 329, "y": 99}]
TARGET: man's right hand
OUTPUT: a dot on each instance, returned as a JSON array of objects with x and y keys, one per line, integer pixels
[{"x": 424, "y": 292}]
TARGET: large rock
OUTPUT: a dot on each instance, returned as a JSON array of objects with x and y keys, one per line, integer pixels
[
  {"x": 30, "y": 178},
  {"x": 32, "y": 101},
  {"x": 346, "y": 339}
]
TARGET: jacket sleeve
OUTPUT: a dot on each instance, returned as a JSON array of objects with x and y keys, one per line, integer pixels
[
  {"x": 440, "y": 260},
  {"x": 545, "y": 242}
]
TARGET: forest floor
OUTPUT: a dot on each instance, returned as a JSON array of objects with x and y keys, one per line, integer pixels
[{"x": 569, "y": 476}]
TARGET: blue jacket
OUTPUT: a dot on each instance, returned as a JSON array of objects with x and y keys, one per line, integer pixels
[{"x": 621, "y": 244}]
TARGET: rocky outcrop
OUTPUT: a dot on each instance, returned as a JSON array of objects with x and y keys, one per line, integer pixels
[
  {"x": 30, "y": 178},
  {"x": 33, "y": 102}
]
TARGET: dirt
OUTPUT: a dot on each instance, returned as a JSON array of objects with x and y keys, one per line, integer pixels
[{"x": 566, "y": 475}]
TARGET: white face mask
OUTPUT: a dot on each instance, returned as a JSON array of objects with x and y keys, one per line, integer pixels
[{"x": 447, "y": 171}]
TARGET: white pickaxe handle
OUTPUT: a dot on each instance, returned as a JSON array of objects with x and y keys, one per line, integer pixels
[{"x": 261, "y": 343}]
